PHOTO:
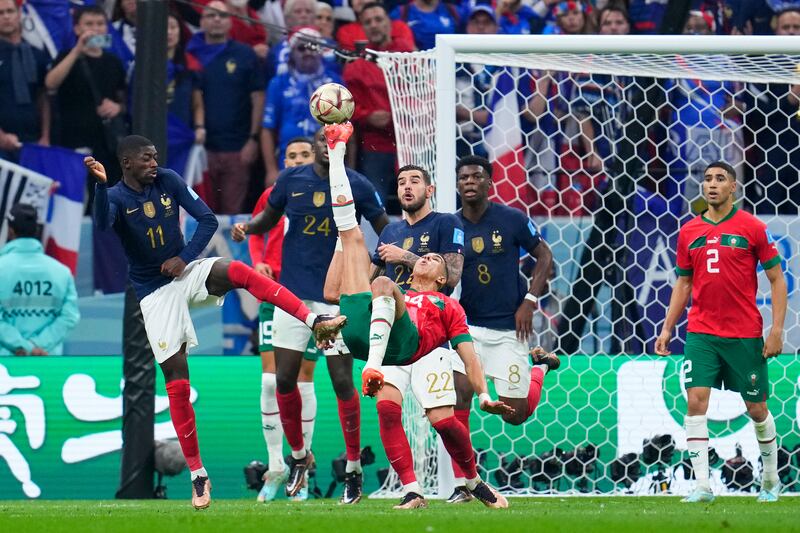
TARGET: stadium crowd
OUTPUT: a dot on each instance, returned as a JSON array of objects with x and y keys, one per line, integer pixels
[{"x": 240, "y": 88}]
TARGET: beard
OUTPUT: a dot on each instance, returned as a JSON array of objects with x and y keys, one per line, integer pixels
[{"x": 413, "y": 207}]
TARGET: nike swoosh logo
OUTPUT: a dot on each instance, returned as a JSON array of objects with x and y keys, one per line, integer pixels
[
  {"x": 129, "y": 211},
  {"x": 440, "y": 396},
  {"x": 297, "y": 194},
  {"x": 277, "y": 291},
  {"x": 189, "y": 434}
]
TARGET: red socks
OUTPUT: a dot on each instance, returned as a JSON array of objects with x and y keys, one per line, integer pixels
[
  {"x": 395, "y": 441},
  {"x": 535, "y": 392},
  {"x": 182, "y": 414},
  {"x": 350, "y": 418},
  {"x": 290, "y": 406},
  {"x": 266, "y": 290},
  {"x": 462, "y": 415},
  {"x": 457, "y": 443}
]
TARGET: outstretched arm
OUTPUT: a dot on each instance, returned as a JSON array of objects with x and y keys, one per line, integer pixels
[
  {"x": 262, "y": 223},
  {"x": 677, "y": 304},
  {"x": 774, "y": 343},
  {"x": 105, "y": 213},
  {"x": 466, "y": 351}
]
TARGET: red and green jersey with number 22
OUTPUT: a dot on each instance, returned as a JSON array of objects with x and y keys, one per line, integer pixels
[{"x": 722, "y": 259}]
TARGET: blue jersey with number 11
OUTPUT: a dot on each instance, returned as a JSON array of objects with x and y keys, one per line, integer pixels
[
  {"x": 492, "y": 287},
  {"x": 148, "y": 224},
  {"x": 308, "y": 246}
]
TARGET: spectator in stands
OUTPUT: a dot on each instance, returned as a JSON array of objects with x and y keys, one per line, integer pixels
[
  {"x": 286, "y": 111},
  {"x": 349, "y": 34},
  {"x": 516, "y": 18},
  {"x": 613, "y": 20},
  {"x": 705, "y": 122},
  {"x": 377, "y": 151},
  {"x": 572, "y": 18},
  {"x": 123, "y": 32},
  {"x": 250, "y": 33},
  {"x": 38, "y": 300},
  {"x": 772, "y": 120},
  {"x": 324, "y": 20},
  {"x": 474, "y": 88},
  {"x": 24, "y": 107},
  {"x": 751, "y": 17},
  {"x": 647, "y": 15},
  {"x": 89, "y": 83},
  {"x": 297, "y": 13},
  {"x": 427, "y": 18},
  {"x": 233, "y": 96},
  {"x": 186, "y": 112}
]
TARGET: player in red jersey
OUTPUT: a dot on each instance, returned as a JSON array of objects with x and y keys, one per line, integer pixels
[
  {"x": 387, "y": 327},
  {"x": 718, "y": 254},
  {"x": 265, "y": 256}
]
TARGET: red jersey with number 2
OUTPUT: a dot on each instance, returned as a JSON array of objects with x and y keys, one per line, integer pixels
[
  {"x": 438, "y": 318},
  {"x": 722, "y": 260}
]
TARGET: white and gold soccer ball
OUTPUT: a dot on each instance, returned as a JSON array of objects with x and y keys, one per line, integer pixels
[{"x": 332, "y": 104}]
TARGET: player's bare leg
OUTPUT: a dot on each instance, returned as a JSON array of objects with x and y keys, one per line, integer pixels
[
  {"x": 696, "y": 425},
  {"x": 764, "y": 425},
  {"x": 176, "y": 376}
]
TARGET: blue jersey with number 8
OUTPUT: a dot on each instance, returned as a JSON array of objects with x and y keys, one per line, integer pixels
[{"x": 492, "y": 287}]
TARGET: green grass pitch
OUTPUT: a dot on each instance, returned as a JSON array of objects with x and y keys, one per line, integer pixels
[{"x": 580, "y": 514}]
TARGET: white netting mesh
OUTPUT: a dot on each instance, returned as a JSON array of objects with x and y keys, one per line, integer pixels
[{"x": 605, "y": 153}]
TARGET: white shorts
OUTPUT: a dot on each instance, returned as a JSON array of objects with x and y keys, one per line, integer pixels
[
  {"x": 292, "y": 334},
  {"x": 430, "y": 379},
  {"x": 504, "y": 360},
  {"x": 166, "y": 310}
]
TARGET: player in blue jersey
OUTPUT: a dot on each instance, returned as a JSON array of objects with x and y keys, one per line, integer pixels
[
  {"x": 400, "y": 246},
  {"x": 143, "y": 210},
  {"x": 498, "y": 304},
  {"x": 304, "y": 194}
]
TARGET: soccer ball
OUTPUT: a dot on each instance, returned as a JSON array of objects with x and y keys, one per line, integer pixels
[{"x": 332, "y": 104}]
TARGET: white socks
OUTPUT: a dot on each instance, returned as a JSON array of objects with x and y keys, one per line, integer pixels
[
  {"x": 472, "y": 483},
  {"x": 344, "y": 208},
  {"x": 768, "y": 445},
  {"x": 697, "y": 445},
  {"x": 353, "y": 466},
  {"x": 309, "y": 410},
  {"x": 200, "y": 472},
  {"x": 412, "y": 487},
  {"x": 271, "y": 423},
  {"x": 379, "y": 328}
]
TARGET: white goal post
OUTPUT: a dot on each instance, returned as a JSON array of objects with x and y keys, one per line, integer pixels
[{"x": 618, "y": 190}]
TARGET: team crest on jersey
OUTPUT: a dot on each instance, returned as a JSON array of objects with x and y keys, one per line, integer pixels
[
  {"x": 477, "y": 244},
  {"x": 166, "y": 201},
  {"x": 319, "y": 198},
  {"x": 230, "y": 66},
  {"x": 408, "y": 243},
  {"x": 497, "y": 241},
  {"x": 423, "y": 242},
  {"x": 149, "y": 209},
  {"x": 753, "y": 379}
]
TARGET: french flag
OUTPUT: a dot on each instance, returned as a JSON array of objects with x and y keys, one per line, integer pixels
[
  {"x": 505, "y": 145},
  {"x": 63, "y": 230}
]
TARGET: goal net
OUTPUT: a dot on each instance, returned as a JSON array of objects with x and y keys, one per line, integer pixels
[{"x": 603, "y": 141}]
